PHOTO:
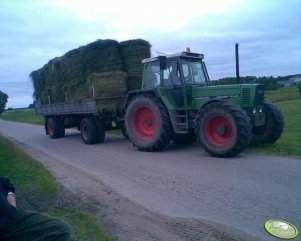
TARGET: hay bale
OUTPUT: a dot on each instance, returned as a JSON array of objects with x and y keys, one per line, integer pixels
[
  {"x": 132, "y": 53},
  {"x": 111, "y": 68},
  {"x": 102, "y": 56},
  {"x": 108, "y": 84}
]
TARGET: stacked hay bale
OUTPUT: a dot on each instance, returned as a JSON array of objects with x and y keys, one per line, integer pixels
[
  {"x": 98, "y": 70},
  {"x": 132, "y": 53},
  {"x": 106, "y": 85}
]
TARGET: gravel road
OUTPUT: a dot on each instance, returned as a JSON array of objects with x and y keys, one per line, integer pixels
[{"x": 182, "y": 184}]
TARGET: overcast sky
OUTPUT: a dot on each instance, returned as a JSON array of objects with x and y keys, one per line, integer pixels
[{"x": 35, "y": 31}]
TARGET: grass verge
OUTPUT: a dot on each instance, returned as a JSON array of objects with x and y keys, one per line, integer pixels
[
  {"x": 23, "y": 115},
  {"x": 84, "y": 227},
  {"x": 29, "y": 176}
]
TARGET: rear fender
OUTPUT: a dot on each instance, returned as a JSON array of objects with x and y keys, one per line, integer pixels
[{"x": 134, "y": 93}]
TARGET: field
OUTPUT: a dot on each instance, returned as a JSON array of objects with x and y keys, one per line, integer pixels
[
  {"x": 283, "y": 94},
  {"x": 35, "y": 185},
  {"x": 288, "y": 99},
  {"x": 23, "y": 115}
]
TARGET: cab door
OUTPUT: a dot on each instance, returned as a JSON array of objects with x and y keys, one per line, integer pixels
[
  {"x": 172, "y": 90},
  {"x": 172, "y": 85}
]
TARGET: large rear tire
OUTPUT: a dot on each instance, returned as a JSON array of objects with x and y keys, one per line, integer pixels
[
  {"x": 147, "y": 123},
  {"x": 223, "y": 129},
  {"x": 273, "y": 128},
  {"x": 89, "y": 131}
]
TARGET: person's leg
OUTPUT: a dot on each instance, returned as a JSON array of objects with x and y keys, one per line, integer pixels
[{"x": 33, "y": 226}]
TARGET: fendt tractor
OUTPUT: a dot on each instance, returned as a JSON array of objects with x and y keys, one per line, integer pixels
[{"x": 176, "y": 103}]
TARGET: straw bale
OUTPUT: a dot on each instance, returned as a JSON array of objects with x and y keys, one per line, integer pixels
[
  {"x": 108, "y": 84},
  {"x": 132, "y": 53},
  {"x": 112, "y": 69}
]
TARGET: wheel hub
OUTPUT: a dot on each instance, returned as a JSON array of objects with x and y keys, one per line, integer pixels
[
  {"x": 219, "y": 130},
  {"x": 144, "y": 122},
  {"x": 222, "y": 130},
  {"x": 148, "y": 121}
]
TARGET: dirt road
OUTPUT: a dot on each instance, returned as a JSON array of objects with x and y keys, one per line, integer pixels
[{"x": 178, "y": 194}]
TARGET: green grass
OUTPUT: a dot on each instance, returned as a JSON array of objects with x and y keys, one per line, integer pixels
[
  {"x": 283, "y": 94},
  {"x": 23, "y": 115},
  {"x": 29, "y": 176},
  {"x": 84, "y": 226}
]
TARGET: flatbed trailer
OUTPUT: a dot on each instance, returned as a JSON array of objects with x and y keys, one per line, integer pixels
[{"x": 83, "y": 115}]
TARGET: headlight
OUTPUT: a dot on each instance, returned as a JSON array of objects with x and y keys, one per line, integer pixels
[
  {"x": 260, "y": 110},
  {"x": 254, "y": 110}
]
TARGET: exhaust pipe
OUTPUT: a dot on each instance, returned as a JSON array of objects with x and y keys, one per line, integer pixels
[{"x": 237, "y": 63}]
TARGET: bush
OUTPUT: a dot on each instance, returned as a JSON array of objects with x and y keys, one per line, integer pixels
[{"x": 3, "y": 101}]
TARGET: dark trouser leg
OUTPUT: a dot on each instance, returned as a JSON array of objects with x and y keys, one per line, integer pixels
[{"x": 33, "y": 226}]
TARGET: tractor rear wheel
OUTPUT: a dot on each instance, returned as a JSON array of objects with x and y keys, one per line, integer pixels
[
  {"x": 273, "y": 128},
  {"x": 223, "y": 129},
  {"x": 147, "y": 123},
  {"x": 89, "y": 131}
]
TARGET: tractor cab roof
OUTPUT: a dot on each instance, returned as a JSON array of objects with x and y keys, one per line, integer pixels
[{"x": 175, "y": 55}]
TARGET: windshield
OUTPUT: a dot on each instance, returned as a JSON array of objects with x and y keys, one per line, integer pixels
[{"x": 193, "y": 72}]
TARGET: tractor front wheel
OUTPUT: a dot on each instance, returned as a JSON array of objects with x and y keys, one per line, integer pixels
[
  {"x": 147, "y": 123},
  {"x": 223, "y": 129},
  {"x": 273, "y": 128}
]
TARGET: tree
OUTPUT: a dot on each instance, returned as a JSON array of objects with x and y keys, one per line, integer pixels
[{"x": 3, "y": 101}]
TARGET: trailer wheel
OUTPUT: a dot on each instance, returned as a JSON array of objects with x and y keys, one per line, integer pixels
[
  {"x": 273, "y": 128},
  {"x": 223, "y": 129},
  {"x": 147, "y": 123},
  {"x": 89, "y": 131},
  {"x": 52, "y": 128}
]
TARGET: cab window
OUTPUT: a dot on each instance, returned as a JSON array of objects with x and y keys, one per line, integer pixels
[
  {"x": 152, "y": 75},
  {"x": 171, "y": 75},
  {"x": 193, "y": 72}
]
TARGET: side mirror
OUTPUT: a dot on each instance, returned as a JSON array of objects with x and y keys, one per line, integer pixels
[{"x": 163, "y": 62}]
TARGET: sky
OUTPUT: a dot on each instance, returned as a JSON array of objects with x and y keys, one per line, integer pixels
[{"x": 34, "y": 31}]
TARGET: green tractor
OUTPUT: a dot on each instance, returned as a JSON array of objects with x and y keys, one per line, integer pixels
[{"x": 176, "y": 102}]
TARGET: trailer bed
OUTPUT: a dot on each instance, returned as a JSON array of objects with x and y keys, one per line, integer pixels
[{"x": 63, "y": 108}]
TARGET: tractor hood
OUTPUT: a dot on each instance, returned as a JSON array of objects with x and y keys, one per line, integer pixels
[{"x": 245, "y": 95}]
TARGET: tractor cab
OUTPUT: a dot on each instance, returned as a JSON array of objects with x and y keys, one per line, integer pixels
[{"x": 174, "y": 70}]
